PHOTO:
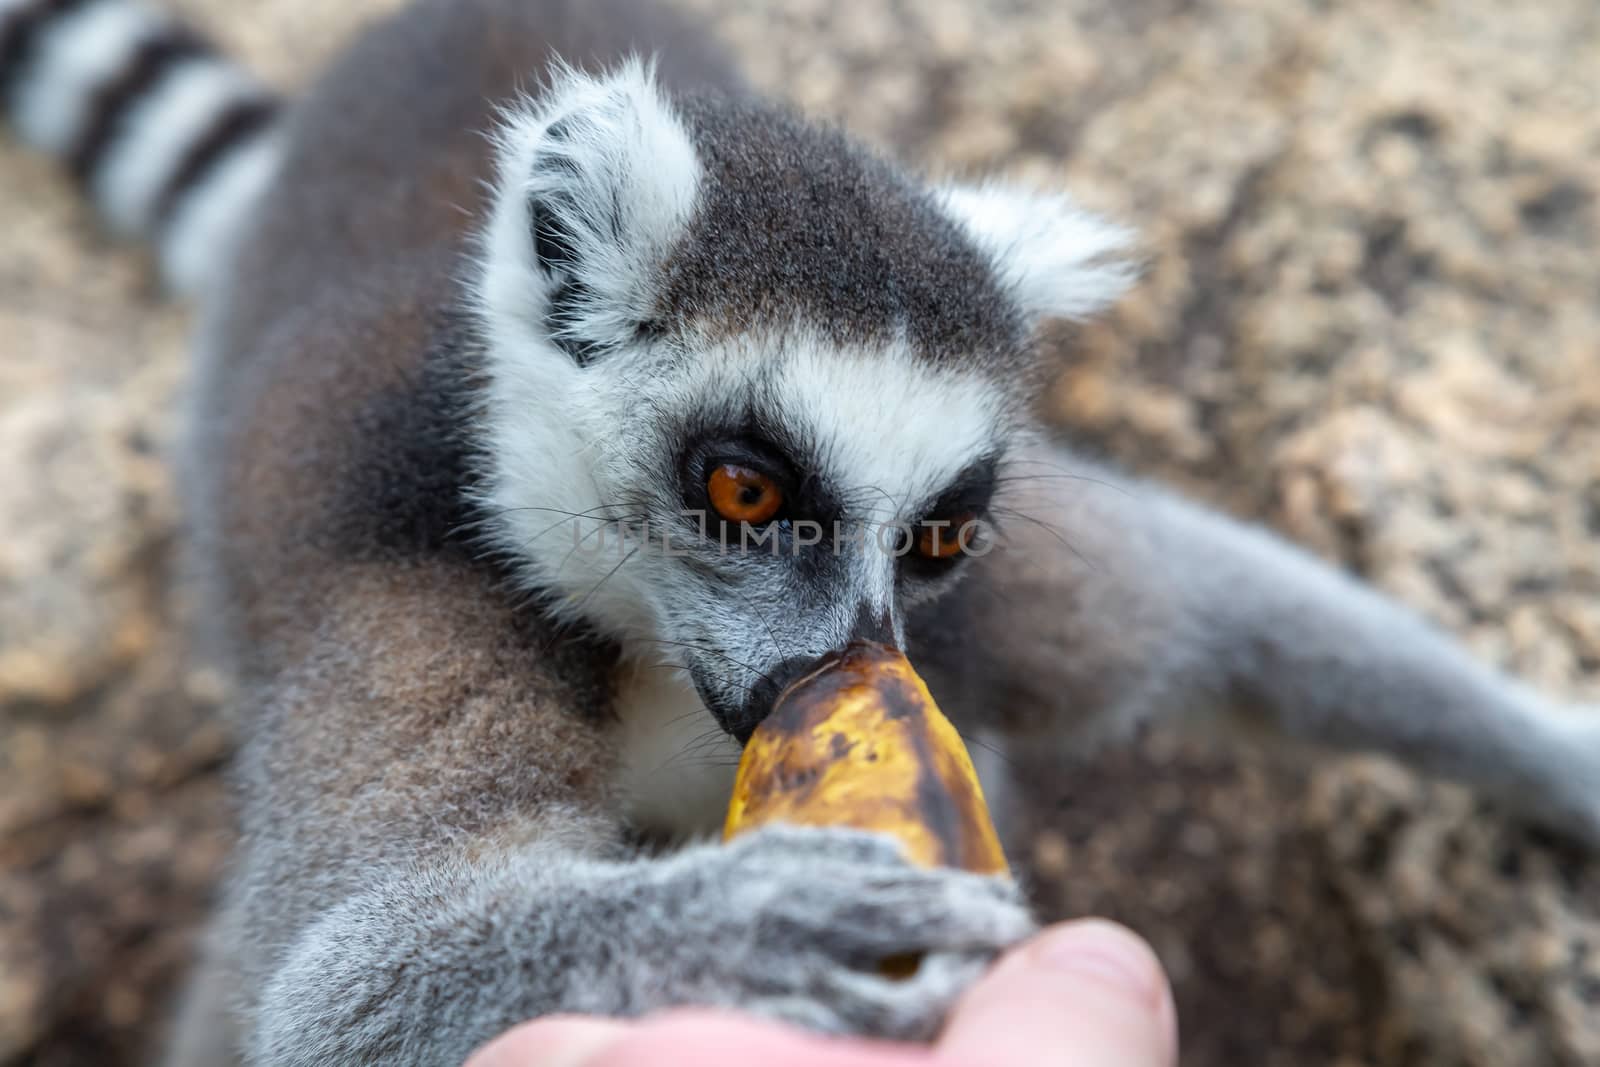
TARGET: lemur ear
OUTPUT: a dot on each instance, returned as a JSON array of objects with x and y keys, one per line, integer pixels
[
  {"x": 1057, "y": 260},
  {"x": 596, "y": 183}
]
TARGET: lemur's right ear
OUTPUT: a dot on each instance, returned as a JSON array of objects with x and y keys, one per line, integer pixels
[
  {"x": 594, "y": 187},
  {"x": 1057, "y": 259}
]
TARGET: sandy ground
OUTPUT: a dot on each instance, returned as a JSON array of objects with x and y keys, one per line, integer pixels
[{"x": 1371, "y": 320}]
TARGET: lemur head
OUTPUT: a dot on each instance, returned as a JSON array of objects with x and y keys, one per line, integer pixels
[{"x": 749, "y": 387}]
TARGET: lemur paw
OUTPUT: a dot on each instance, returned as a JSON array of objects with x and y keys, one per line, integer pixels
[{"x": 794, "y": 924}]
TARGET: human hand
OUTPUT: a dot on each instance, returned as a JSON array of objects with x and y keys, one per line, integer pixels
[{"x": 1085, "y": 993}]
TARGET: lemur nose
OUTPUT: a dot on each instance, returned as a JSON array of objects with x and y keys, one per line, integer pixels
[
  {"x": 875, "y": 623},
  {"x": 762, "y": 695},
  {"x": 871, "y": 624}
]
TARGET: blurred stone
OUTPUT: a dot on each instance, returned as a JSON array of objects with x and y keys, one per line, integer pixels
[{"x": 1368, "y": 319}]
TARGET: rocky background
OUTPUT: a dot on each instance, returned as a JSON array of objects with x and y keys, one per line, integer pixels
[{"x": 1371, "y": 319}]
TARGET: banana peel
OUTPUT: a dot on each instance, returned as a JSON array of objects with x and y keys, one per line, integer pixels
[{"x": 859, "y": 742}]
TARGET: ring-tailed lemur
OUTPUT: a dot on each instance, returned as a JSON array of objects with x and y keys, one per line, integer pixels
[{"x": 656, "y": 314}]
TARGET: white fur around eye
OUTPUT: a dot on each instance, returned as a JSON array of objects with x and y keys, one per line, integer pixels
[
  {"x": 890, "y": 429},
  {"x": 1057, "y": 259}
]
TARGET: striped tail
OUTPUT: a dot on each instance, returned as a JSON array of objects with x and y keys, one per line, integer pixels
[{"x": 169, "y": 140}]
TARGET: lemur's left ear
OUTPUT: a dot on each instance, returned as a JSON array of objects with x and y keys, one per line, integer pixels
[
  {"x": 1057, "y": 260},
  {"x": 594, "y": 187}
]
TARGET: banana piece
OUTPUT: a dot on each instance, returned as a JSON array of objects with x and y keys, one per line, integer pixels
[{"x": 859, "y": 742}]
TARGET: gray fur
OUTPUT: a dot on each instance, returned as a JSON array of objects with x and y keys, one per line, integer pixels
[
  {"x": 451, "y": 744},
  {"x": 1164, "y": 610},
  {"x": 785, "y": 923},
  {"x": 800, "y": 222}
]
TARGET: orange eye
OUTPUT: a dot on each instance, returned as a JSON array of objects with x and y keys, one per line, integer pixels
[
  {"x": 742, "y": 494},
  {"x": 945, "y": 541}
]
